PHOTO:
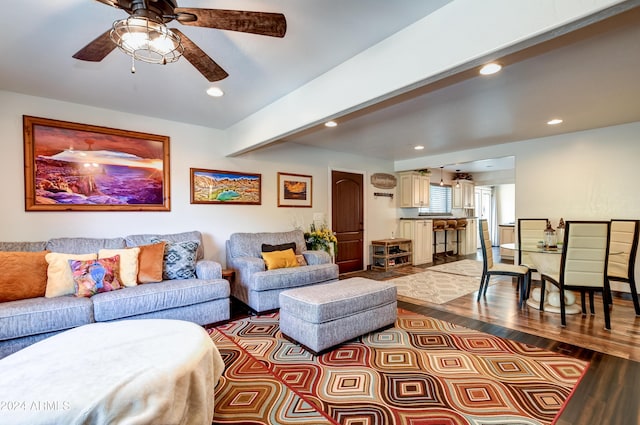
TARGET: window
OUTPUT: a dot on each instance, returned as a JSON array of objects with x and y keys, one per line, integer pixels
[{"x": 439, "y": 200}]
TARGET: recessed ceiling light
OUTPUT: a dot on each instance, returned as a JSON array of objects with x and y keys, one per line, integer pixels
[
  {"x": 330, "y": 124},
  {"x": 490, "y": 68},
  {"x": 554, "y": 121},
  {"x": 418, "y": 147},
  {"x": 215, "y": 92}
]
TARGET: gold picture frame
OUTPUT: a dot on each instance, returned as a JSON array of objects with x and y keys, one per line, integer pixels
[
  {"x": 225, "y": 187},
  {"x": 80, "y": 167},
  {"x": 295, "y": 190}
]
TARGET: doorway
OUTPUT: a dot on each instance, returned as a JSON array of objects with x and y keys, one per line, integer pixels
[
  {"x": 485, "y": 209},
  {"x": 347, "y": 219}
]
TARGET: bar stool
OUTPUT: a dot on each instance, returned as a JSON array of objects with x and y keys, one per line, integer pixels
[
  {"x": 460, "y": 225},
  {"x": 451, "y": 226},
  {"x": 438, "y": 227}
]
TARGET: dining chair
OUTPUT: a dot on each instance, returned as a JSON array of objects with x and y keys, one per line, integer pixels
[
  {"x": 623, "y": 246},
  {"x": 489, "y": 268},
  {"x": 583, "y": 265},
  {"x": 530, "y": 232}
]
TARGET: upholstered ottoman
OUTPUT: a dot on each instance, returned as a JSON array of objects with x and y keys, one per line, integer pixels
[{"x": 321, "y": 316}]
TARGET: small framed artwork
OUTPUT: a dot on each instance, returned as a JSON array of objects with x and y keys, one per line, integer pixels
[
  {"x": 295, "y": 190},
  {"x": 80, "y": 167},
  {"x": 225, "y": 187}
]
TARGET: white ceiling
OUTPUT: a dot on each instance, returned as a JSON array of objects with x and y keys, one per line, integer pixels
[
  {"x": 590, "y": 81},
  {"x": 38, "y": 39}
]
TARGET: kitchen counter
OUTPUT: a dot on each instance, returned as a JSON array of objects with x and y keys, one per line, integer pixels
[{"x": 437, "y": 217}]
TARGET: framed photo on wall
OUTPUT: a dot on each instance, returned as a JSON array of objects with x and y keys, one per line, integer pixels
[
  {"x": 225, "y": 187},
  {"x": 81, "y": 167},
  {"x": 295, "y": 190}
]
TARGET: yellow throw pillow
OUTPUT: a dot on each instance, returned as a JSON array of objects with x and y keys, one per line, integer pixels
[
  {"x": 128, "y": 263},
  {"x": 280, "y": 259},
  {"x": 59, "y": 276}
]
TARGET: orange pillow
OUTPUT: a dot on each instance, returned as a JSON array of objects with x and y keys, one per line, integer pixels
[
  {"x": 22, "y": 275},
  {"x": 150, "y": 262}
]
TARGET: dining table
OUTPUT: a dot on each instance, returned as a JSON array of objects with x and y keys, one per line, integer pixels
[{"x": 547, "y": 261}]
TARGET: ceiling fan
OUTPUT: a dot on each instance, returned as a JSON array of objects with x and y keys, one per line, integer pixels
[{"x": 144, "y": 36}]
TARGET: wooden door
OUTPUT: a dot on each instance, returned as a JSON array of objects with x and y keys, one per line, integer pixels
[{"x": 347, "y": 214}]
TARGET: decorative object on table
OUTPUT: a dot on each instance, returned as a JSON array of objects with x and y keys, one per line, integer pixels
[
  {"x": 321, "y": 239},
  {"x": 80, "y": 167},
  {"x": 225, "y": 187},
  {"x": 295, "y": 190},
  {"x": 560, "y": 232},
  {"x": 550, "y": 239}
]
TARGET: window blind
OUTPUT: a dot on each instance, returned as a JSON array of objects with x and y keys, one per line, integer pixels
[{"x": 439, "y": 199}]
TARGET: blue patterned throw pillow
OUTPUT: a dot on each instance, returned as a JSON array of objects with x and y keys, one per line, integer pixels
[{"x": 179, "y": 259}]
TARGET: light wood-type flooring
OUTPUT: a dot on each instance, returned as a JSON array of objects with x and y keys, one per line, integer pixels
[{"x": 608, "y": 394}]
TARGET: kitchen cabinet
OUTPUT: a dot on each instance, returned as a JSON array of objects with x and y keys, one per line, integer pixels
[
  {"x": 413, "y": 190},
  {"x": 421, "y": 233},
  {"x": 390, "y": 253},
  {"x": 507, "y": 235},
  {"x": 463, "y": 196},
  {"x": 471, "y": 237}
]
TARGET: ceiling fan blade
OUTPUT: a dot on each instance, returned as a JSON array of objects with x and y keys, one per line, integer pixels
[
  {"x": 262, "y": 23},
  {"x": 200, "y": 60},
  {"x": 98, "y": 49}
]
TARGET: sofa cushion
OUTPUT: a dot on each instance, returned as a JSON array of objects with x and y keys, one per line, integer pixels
[
  {"x": 40, "y": 315},
  {"x": 128, "y": 269},
  {"x": 292, "y": 277},
  {"x": 95, "y": 276},
  {"x": 23, "y": 246},
  {"x": 250, "y": 244},
  {"x": 280, "y": 259},
  {"x": 152, "y": 297},
  {"x": 145, "y": 239},
  {"x": 22, "y": 275},
  {"x": 84, "y": 245},
  {"x": 150, "y": 261},
  {"x": 59, "y": 276}
]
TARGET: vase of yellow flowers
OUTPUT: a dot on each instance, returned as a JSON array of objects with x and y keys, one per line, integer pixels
[{"x": 321, "y": 239}]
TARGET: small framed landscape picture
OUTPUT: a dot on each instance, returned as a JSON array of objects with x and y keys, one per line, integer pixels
[
  {"x": 225, "y": 187},
  {"x": 295, "y": 190}
]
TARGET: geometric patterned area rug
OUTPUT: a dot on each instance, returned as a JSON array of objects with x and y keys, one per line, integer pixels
[
  {"x": 436, "y": 287},
  {"x": 422, "y": 371},
  {"x": 462, "y": 267}
]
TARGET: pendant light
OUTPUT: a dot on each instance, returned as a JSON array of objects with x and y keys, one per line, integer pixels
[
  {"x": 441, "y": 181},
  {"x": 458, "y": 178}
]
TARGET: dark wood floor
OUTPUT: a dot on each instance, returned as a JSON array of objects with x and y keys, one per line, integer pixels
[{"x": 608, "y": 393}]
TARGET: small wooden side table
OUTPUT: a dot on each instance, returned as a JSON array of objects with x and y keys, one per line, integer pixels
[{"x": 229, "y": 274}]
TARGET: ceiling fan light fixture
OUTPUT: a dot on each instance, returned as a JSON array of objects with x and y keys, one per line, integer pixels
[{"x": 146, "y": 40}]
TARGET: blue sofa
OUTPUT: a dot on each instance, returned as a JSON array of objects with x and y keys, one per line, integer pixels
[
  {"x": 203, "y": 300},
  {"x": 259, "y": 288}
]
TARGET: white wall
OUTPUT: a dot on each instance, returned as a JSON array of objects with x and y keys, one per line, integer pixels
[{"x": 190, "y": 146}]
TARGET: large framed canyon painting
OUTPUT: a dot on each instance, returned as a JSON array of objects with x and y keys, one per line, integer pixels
[
  {"x": 81, "y": 167},
  {"x": 225, "y": 187}
]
